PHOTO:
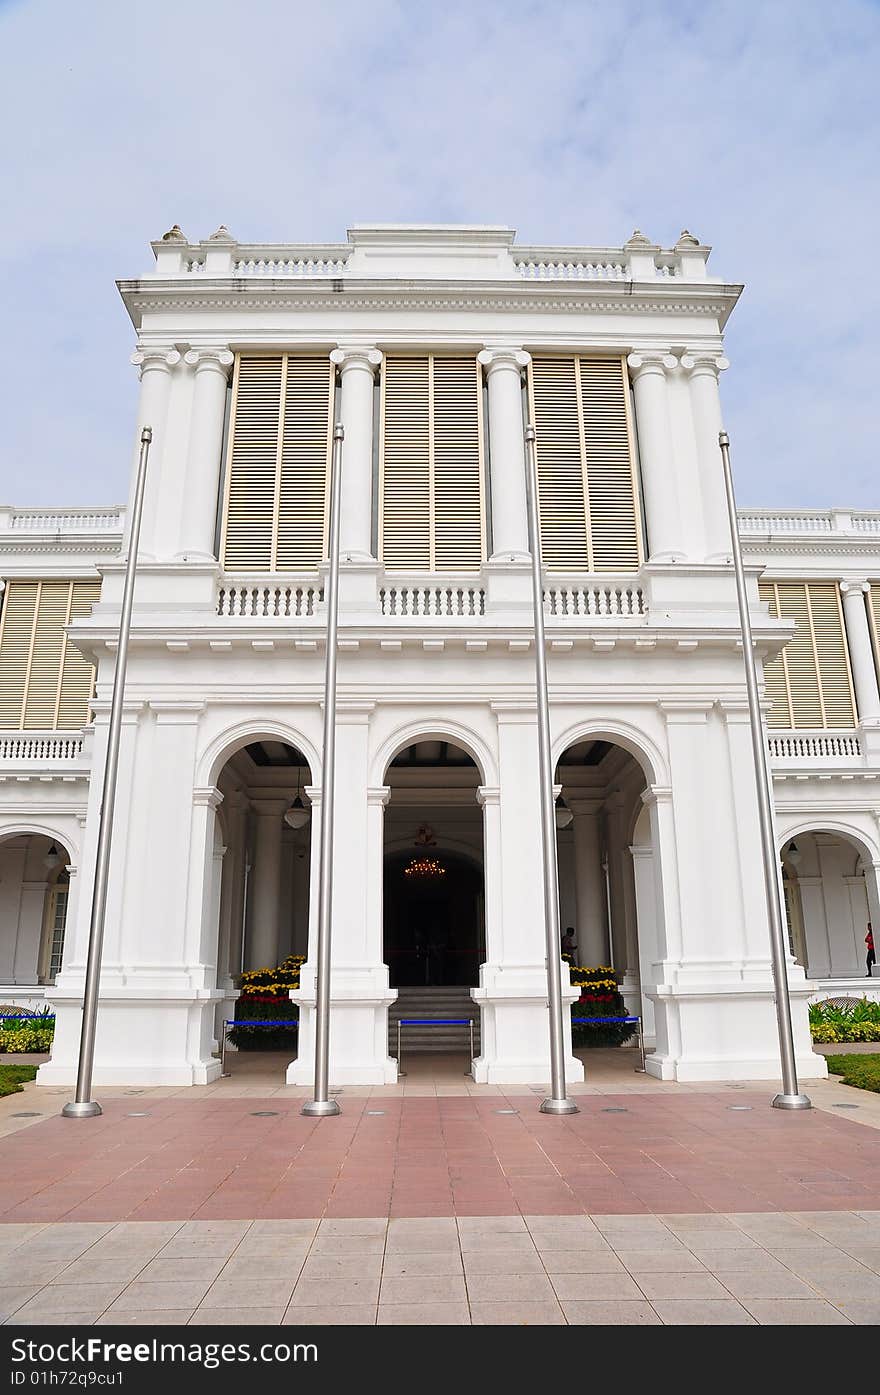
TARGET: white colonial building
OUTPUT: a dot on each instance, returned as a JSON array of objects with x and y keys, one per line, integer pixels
[{"x": 433, "y": 345}]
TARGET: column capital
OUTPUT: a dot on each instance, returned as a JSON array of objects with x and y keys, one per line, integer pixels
[
  {"x": 163, "y": 359},
  {"x": 210, "y": 796},
  {"x": 646, "y": 361},
  {"x": 362, "y": 356},
  {"x": 378, "y": 795},
  {"x": 699, "y": 362},
  {"x": 488, "y": 794},
  {"x": 854, "y": 586},
  {"x": 656, "y": 794},
  {"x": 213, "y": 359},
  {"x": 503, "y": 356}
]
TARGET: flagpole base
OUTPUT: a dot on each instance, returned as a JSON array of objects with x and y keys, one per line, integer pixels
[
  {"x": 85, "y": 1109},
  {"x": 792, "y": 1102},
  {"x": 320, "y": 1109},
  {"x": 552, "y": 1106}
]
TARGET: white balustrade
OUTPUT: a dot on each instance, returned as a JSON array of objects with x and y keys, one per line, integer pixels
[
  {"x": 276, "y": 600},
  {"x": 813, "y": 745},
  {"x": 64, "y": 521},
  {"x": 571, "y": 271},
  {"x": 289, "y": 266},
  {"x": 39, "y": 747},
  {"x": 611, "y": 599},
  {"x": 446, "y": 600}
]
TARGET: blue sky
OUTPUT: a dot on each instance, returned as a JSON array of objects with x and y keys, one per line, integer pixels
[{"x": 753, "y": 123}]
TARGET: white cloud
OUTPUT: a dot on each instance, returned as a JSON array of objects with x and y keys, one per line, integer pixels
[{"x": 754, "y": 124}]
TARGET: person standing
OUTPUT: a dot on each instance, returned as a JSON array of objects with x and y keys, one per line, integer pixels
[{"x": 871, "y": 958}]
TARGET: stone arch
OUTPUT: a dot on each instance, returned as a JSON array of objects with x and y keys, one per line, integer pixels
[
  {"x": 642, "y": 749},
  {"x": 429, "y": 729},
  {"x": 866, "y": 845},
  {"x": 39, "y": 827},
  {"x": 223, "y": 746}
]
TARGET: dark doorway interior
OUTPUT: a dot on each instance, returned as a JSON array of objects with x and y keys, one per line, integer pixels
[{"x": 434, "y": 925}]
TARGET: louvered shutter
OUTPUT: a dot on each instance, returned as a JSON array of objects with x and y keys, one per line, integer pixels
[
  {"x": 277, "y": 478},
  {"x": 45, "y": 684},
  {"x": 816, "y": 685},
  {"x": 874, "y": 614},
  {"x": 431, "y": 501},
  {"x": 77, "y": 673},
  {"x": 587, "y": 479}
]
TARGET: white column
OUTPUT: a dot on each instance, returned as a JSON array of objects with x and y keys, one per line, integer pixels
[
  {"x": 702, "y": 370},
  {"x": 590, "y": 899},
  {"x": 155, "y": 365},
  {"x": 656, "y": 454},
  {"x": 861, "y": 655},
  {"x": 357, "y": 366},
  {"x": 510, "y": 534},
  {"x": 198, "y": 523},
  {"x": 262, "y": 951}
]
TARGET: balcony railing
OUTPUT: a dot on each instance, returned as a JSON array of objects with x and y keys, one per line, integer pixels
[
  {"x": 612, "y": 599},
  {"x": 40, "y": 747},
  {"x": 269, "y": 600},
  {"x": 821, "y": 522},
  {"x": 446, "y": 600},
  {"x": 814, "y": 746},
  {"x": 77, "y": 521}
]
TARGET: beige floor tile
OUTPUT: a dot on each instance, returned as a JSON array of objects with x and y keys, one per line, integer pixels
[
  {"x": 350, "y": 1245},
  {"x": 607, "y": 1313},
  {"x": 249, "y": 1293},
  {"x": 660, "y": 1261},
  {"x": 358, "y": 1225},
  {"x": 423, "y": 1315},
  {"x": 36, "y": 1317},
  {"x": 319, "y": 1292},
  {"x": 581, "y": 1262},
  {"x": 434, "y": 1288},
  {"x": 167, "y": 1270},
  {"x": 838, "y": 1284},
  {"x": 428, "y": 1225},
  {"x": 490, "y": 1225},
  {"x": 865, "y": 1312},
  {"x": 238, "y": 1317},
  {"x": 175, "y": 1317},
  {"x": 779, "y": 1312},
  {"x": 755, "y": 1261},
  {"x": 686, "y": 1224},
  {"x": 331, "y": 1315},
  {"x": 748, "y": 1286},
  {"x": 344, "y": 1267},
  {"x": 279, "y": 1266},
  {"x": 195, "y": 1247},
  {"x": 144, "y": 1231},
  {"x": 509, "y": 1288},
  {"x": 500, "y": 1242},
  {"x": 396, "y": 1266},
  {"x": 37, "y": 1271},
  {"x": 477, "y": 1262},
  {"x": 87, "y": 1270},
  {"x": 412, "y": 1243},
  {"x": 14, "y": 1296},
  {"x": 200, "y": 1230},
  {"x": 516, "y": 1313},
  {"x": 72, "y": 1298},
  {"x": 294, "y": 1227},
  {"x": 702, "y": 1312},
  {"x": 681, "y": 1286},
  {"x": 148, "y": 1297},
  {"x": 596, "y": 1286}
]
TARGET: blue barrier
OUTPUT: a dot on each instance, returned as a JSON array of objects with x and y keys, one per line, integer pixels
[
  {"x": 27, "y": 1017},
  {"x": 433, "y": 1022},
  {"x": 262, "y": 1022},
  {"x": 600, "y": 1021}
]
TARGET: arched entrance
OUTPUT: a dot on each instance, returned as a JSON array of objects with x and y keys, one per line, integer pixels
[
  {"x": 34, "y": 903},
  {"x": 830, "y": 891},
  {"x": 433, "y": 892}
]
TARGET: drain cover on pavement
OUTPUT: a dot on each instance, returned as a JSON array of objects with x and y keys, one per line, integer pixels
[
  {"x": 506, "y": 1111},
  {"x": 844, "y": 1106},
  {"x": 614, "y": 1109},
  {"x": 264, "y": 1113},
  {"x": 739, "y": 1106},
  {"x": 375, "y": 1111},
  {"x": 137, "y": 1114},
  {"x": 28, "y": 1114}
]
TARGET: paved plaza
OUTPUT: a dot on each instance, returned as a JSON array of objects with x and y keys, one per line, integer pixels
[{"x": 438, "y": 1201}]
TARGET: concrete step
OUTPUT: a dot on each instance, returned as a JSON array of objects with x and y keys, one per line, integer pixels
[{"x": 433, "y": 1003}]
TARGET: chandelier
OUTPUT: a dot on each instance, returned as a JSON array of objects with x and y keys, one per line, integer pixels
[{"x": 424, "y": 868}]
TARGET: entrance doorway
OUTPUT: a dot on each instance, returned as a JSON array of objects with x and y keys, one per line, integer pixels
[{"x": 434, "y": 934}]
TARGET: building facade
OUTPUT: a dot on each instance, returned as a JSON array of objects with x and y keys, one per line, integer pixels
[{"x": 433, "y": 345}]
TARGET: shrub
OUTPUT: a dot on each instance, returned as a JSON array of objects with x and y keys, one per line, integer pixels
[
  {"x": 859, "y": 1021},
  {"x": 264, "y": 998},
  {"x": 13, "y": 1077},
  {"x": 600, "y": 997},
  {"x": 27, "y": 1032},
  {"x": 861, "y": 1071}
]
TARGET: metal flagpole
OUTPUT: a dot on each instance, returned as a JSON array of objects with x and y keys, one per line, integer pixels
[
  {"x": 84, "y": 1107},
  {"x": 322, "y": 1104},
  {"x": 557, "y": 1103},
  {"x": 791, "y": 1097}
]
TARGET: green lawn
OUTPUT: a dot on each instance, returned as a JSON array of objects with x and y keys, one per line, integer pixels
[
  {"x": 13, "y": 1077},
  {"x": 861, "y": 1071}
]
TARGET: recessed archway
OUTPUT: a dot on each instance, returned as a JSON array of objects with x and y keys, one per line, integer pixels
[
  {"x": 830, "y": 885},
  {"x": 34, "y": 906}
]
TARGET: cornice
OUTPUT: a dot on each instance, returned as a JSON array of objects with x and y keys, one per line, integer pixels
[
  {"x": 822, "y": 545},
  {"x": 277, "y": 293}
]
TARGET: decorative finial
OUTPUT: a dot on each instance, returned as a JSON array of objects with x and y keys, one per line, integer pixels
[
  {"x": 174, "y": 234},
  {"x": 638, "y": 239},
  {"x": 687, "y": 239},
  {"x": 221, "y": 235}
]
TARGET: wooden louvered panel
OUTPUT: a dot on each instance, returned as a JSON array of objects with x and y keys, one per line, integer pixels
[
  {"x": 560, "y": 461},
  {"x": 833, "y": 659},
  {"x": 800, "y": 658},
  {"x": 405, "y": 504},
  {"x": 45, "y": 684},
  {"x": 77, "y": 684},
  {"x": 458, "y": 514},
  {"x": 305, "y": 454},
  {"x": 252, "y": 466},
  {"x": 47, "y": 650},
  {"x": 874, "y": 616},
  {"x": 16, "y": 634},
  {"x": 775, "y": 680},
  {"x": 614, "y": 522}
]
